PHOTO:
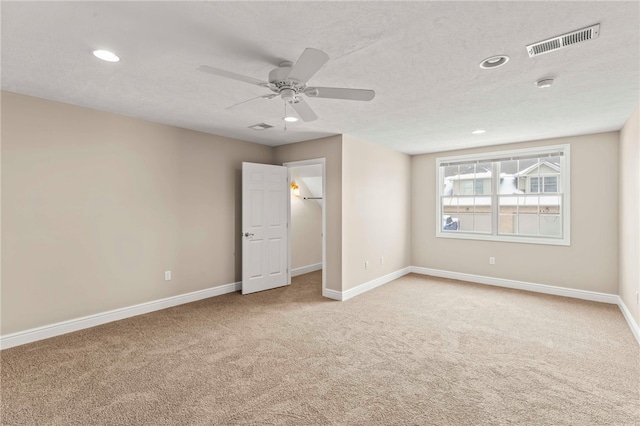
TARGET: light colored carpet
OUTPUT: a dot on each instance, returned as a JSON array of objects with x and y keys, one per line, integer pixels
[{"x": 417, "y": 351}]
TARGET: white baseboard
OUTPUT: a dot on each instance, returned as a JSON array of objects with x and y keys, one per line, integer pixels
[
  {"x": 306, "y": 269},
  {"x": 35, "y": 334},
  {"x": 520, "y": 285},
  {"x": 332, "y": 294},
  {"x": 633, "y": 325},
  {"x": 45, "y": 332},
  {"x": 362, "y": 288},
  {"x": 613, "y": 299}
]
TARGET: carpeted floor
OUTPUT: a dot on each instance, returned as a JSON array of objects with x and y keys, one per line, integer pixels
[{"x": 417, "y": 351}]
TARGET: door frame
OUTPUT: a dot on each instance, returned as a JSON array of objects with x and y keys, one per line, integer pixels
[{"x": 289, "y": 165}]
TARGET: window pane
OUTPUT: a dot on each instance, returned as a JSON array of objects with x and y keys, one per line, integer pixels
[
  {"x": 508, "y": 223},
  {"x": 482, "y": 219},
  {"x": 509, "y": 177},
  {"x": 449, "y": 172},
  {"x": 450, "y": 223},
  {"x": 479, "y": 186},
  {"x": 550, "y": 204},
  {"x": 528, "y": 224},
  {"x": 527, "y": 164},
  {"x": 465, "y": 187},
  {"x": 449, "y": 213},
  {"x": 465, "y": 222},
  {"x": 484, "y": 169},
  {"x": 482, "y": 184},
  {"x": 509, "y": 167},
  {"x": 533, "y": 185},
  {"x": 482, "y": 223},
  {"x": 551, "y": 225},
  {"x": 550, "y": 184},
  {"x": 482, "y": 205},
  {"x": 508, "y": 218}
]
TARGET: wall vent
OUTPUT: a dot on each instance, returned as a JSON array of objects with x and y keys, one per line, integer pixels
[{"x": 562, "y": 41}]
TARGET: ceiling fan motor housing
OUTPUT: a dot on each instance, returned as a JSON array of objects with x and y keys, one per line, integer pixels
[
  {"x": 279, "y": 75},
  {"x": 279, "y": 83},
  {"x": 289, "y": 95}
]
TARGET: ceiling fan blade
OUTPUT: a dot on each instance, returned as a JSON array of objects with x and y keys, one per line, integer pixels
[
  {"x": 307, "y": 65},
  {"x": 232, "y": 75},
  {"x": 338, "y": 93},
  {"x": 304, "y": 110},
  {"x": 271, "y": 96}
]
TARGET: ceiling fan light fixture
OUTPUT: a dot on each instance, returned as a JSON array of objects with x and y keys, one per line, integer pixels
[
  {"x": 478, "y": 132},
  {"x": 494, "y": 62},
  {"x": 290, "y": 119},
  {"x": 105, "y": 55}
]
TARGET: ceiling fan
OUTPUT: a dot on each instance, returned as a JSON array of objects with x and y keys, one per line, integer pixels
[{"x": 289, "y": 81}]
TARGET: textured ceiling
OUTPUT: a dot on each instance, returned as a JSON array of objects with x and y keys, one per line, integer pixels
[{"x": 421, "y": 58}]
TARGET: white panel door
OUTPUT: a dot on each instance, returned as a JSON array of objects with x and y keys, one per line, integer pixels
[{"x": 264, "y": 227}]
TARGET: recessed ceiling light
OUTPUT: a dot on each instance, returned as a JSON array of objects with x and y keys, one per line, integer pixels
[
  {"x": 544, "y": 83},
  {"x": 478, "y": 132},
  {"x": 291, "y": 119},
  {"x": 494, "y": 62},
  {"x": 105, "y": 55}
]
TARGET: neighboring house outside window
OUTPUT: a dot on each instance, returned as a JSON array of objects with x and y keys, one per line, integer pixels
[{"x": 518, "y": 196}]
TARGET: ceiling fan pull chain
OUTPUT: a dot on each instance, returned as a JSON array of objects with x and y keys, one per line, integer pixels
[{"x": 285, "y": 114}]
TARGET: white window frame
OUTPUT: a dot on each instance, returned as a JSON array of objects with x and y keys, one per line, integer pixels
[{"x": 564, "y": 187}]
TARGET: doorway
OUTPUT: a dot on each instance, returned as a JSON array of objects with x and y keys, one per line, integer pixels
[{"x": 307, "y": 217}]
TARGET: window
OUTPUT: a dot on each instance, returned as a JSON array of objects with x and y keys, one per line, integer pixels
[
  {"x": 549, "y": 184},
  {"x": 466, "y": 187},
  {"x": 520, "y": 196},
  {"x": 534, "y": 185}
]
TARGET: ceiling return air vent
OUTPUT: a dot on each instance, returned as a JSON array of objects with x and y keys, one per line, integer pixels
[
  {"x": 562, "y": 41},
  {"x": 261, "y": 126}
]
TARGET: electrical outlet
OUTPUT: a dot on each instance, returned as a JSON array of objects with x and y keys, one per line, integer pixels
[
  {"x": 382, "y": 260},
  {"x": 167, "y": 275},
  {"x": 366, "y": 265},
  {"x": 492, "y": 261}
]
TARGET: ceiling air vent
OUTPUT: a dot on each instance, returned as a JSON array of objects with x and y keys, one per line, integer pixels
[
  {"x": 562, "y": 41},
  {"x": 261, "y": 126}
]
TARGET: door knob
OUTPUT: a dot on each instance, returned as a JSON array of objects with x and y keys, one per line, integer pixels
[{"x": 246, "y": 234}]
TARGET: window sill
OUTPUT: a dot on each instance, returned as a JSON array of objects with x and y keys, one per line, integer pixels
[{"x": 458, "y": 235}]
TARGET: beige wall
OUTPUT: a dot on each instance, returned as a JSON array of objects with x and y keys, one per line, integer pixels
[
  {"x": 630, "y": 213},
  {"x": 590, "y": 263},
  {"x": 329, "y": 148},
  {"x": 96, "y": 206},
  {"x": 306, "y": 229},
  {"x": 376, "y": 211}
]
